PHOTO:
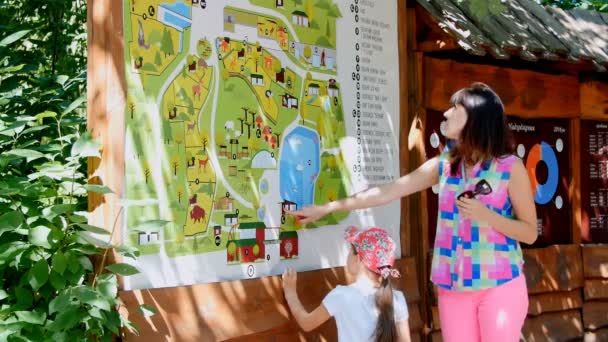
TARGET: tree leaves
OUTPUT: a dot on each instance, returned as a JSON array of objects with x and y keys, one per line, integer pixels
[
  {"x": 33, "y": 317},
  {"x": 38, "y": 275},
  {"x": 100, "y": 189},
  {"x": 13, "y": 37},
  {"x": 122, "y": 269},
  {"x": 147, "y": 310},
  {"x": 93, "y": 229},
  {"x": 44, "y": 261},
  {"x": 598, "y": 5},
  {"x": 86, "y": 147},
  {"x": 39, "y": 236},
  {"x": 11, "y": 220},
  {"x": 59, "y": 262}
]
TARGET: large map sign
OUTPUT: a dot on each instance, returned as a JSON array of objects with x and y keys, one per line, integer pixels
[
  {"x": 594, "y": 181},
  {"x": 241, "y": 111},
  {"x": 543, "y": 146}
]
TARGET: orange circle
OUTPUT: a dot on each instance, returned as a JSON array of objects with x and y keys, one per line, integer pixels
[{"x": 534, "y": 156}]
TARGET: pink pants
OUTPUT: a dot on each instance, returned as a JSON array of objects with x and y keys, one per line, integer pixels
[{"x": 495, "y": 314}]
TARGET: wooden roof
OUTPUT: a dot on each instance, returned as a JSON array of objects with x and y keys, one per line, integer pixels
[{"x": 527, "y": 29}]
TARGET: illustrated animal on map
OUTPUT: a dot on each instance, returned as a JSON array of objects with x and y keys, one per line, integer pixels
[
  {"x": 273, "y": 141},
  {"x": 140, "y": 37},
  {"x": 191, "y": 127},
  {"x": 229, "y": 125},
  {"x": 192, "y": 200},
  {"x": 197, "y": 214},
  {"x": 224, "y": 45},
  {"x": 267, "y": 132},
  {"x": 203, "y": 163},
  {"x": 138, "y": 62},
  {"x": 196, "y": 90}
]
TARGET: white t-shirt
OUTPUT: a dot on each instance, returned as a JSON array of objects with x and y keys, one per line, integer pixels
[{"x": 354, "y": 308}]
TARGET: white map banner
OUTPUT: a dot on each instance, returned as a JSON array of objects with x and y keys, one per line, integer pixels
[{"x": 239, "y": 111}]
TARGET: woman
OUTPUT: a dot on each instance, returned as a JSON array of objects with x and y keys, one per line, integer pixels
[{"x": 485, "y": 208}]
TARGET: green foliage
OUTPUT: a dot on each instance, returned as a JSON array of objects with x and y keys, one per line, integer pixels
[
  {"x": 598, "y": 5},
  {"x": 157, "y": 60},
  {"x": 49, "y": 289},
  {"x": 203, "y": 48},
  {"x": 334, "y": 11},
  {"x": 166, "y": 44}
]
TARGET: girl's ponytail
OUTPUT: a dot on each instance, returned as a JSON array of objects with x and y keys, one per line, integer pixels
[
  {"x": 386, "y": 330},
  {"x": 376, "y": 251}
]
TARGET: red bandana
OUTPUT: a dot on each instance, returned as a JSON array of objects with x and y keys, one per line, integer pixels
[{"x": 375, "y": 249}]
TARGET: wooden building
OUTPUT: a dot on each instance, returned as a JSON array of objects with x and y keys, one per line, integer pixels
[{"x": 549, "y": 67}]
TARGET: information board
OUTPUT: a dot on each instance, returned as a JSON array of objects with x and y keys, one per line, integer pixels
[
  {"x": 594, "y": 181},
  {"x": 240, "y": 111}
]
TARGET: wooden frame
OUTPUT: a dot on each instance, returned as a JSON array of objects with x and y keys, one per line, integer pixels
[
  {"x": 231, "y": 310},
  {"x": 526, "y": 94},
  {"x": 106, "y": 92},
  {"x": 594, "y": 100}
]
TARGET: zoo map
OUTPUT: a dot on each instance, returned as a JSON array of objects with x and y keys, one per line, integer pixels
[{"x": 234, "y": 116}]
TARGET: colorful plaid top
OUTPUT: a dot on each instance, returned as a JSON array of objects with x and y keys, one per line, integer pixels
[{"x": 470, "y": 255}]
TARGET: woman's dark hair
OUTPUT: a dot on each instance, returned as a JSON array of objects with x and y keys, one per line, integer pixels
[
  {"x": 386, "y": 330},
  {"x": 486, "y": 134}
]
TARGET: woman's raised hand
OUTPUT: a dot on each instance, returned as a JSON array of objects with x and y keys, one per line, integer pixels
[{"x": 309, "y": 214}]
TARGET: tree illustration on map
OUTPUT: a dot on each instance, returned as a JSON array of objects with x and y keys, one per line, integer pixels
[{"x": 235, "y": 118}]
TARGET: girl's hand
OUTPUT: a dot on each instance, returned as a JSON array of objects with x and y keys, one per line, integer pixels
[
  {"x": 473, "y": 209},
  {"x": 290, "y": 278},
  {"x": 309, "y": 214}
]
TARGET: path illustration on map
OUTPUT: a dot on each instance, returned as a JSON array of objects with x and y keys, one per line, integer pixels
[{"x": 234, "y": 116}]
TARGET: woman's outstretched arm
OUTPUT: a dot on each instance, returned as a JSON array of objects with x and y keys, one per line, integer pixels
[{"x": 423, "y": 177}]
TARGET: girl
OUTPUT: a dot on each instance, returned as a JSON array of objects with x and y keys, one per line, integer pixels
[
  {"x": 485, "y": 208},
  {"x": 368, "y": 309}
]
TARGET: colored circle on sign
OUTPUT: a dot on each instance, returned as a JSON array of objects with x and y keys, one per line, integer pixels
[
  {"x": 544, "y": 189},
  {"x": 559, "y": 145},
  {"x": 521, "y": 150},
  {"x": 443, "y": 127},
  {"x": 264, "y": 186},
  {"x": 559, "y": 202},
  {"x": 435, "y": 140}
]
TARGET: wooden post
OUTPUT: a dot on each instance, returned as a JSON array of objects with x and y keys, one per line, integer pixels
[
  {"x": 412, "y": 131},
  {"x": 403, "y": 27},
  {"x": 575, "y": 181},
  {"x": 106, "y": 89}
]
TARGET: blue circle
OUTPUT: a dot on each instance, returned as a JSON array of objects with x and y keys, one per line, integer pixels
[
  {"x": 264, "y": 186},
  {"x": 545, "y": 192}
]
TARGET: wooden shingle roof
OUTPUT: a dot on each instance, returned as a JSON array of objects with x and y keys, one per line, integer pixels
[{"x": 527, "y": 29}]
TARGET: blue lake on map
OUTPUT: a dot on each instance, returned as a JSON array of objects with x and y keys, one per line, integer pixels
[{"x": 299, "y": 166}]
